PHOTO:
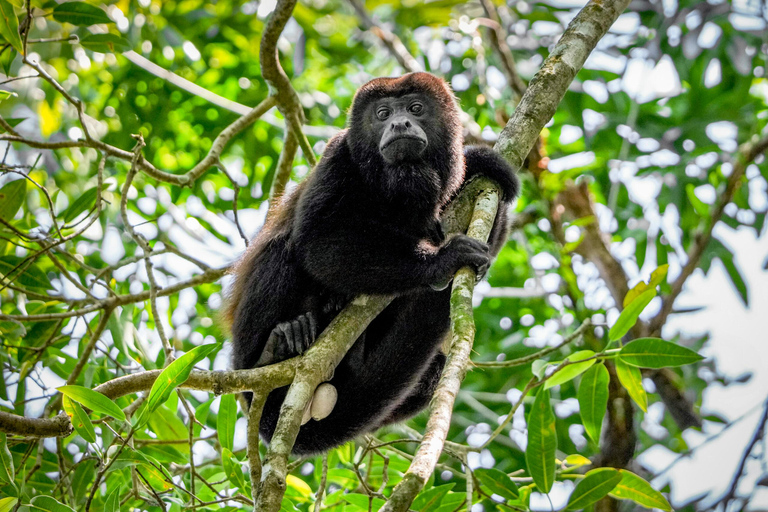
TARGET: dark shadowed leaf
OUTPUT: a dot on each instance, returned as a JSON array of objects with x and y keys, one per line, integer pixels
[
  {"x": 11, "y": 198},
  {"x": 31, "y": 276},
  {"x": 105, "y": 43},
  {"x": 430, "y": 499},
  {"x": 80, "y": 13},
  {"x": 593, "y": 399},
  {"x": 84, "y": 201},
  {"x": 542, "y": 443},
  {"x": 657, "y": 353},
  {"x": 497, "y": 482},
  {"x": 6, "y": 461}
]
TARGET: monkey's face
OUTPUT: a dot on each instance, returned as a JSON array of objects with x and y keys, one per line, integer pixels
[{"x": 401, "y": 125}]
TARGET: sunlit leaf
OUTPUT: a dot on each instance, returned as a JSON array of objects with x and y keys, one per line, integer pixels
[
  {"x": 112, "y": 503},
  {"x": 593, "y": 399},
  {"x": 657, "y": 353},
  {"x": 225, "y": 422},
  {"x": 93, "y": 400},
  {"x": 542, "y": 442},
  {"x": 9, "y": 25},
  {"x": 628, "y": 317},
  {"x": 8, "y": 504},
  {"x": 174, "y": 375},
  {"x": 80, "y": 13},
  {"x": 50, "y": 118},
  {"x": 48, "y": 504},
  {"x": 632, "y": 380},
  {"x": 594, "y": 486},
  {"x": 573, "y": 370},
  {"x": 234, "y": 471},
  {"x": 632, "y": 487},
  {"x": 80, "y": 420},
  {"x": 577, "y": 460},
  {"x": 658, "y": 275}
]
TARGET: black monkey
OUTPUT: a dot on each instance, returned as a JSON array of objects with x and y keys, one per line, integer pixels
[{"x": 366, "y": 221}]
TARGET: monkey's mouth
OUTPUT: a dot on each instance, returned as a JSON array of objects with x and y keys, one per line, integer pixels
[{"x": 406, "y": 138}]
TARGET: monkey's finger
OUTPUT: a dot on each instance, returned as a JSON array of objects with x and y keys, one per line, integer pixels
[
  {"x": 305, "y": 332},
  {"x": 298, "y": 336},
  {"x": 312, "y": 328},
  {"x": 285, "y": 328}
]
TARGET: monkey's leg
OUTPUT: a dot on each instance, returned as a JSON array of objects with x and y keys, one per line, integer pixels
[
  {"x": 421, "y": 393},
  {"x": 289, "y": 339}
]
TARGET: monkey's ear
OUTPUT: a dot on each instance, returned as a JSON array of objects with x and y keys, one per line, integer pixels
[{"x": 484, "y": 161}]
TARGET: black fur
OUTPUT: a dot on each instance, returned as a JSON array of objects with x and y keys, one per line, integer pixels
[{"x": 363, "y": 223}]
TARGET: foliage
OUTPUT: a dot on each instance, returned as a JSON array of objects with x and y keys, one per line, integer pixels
[{"x": 631, "y": 170}]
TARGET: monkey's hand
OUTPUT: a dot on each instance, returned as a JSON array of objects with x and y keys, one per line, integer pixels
[
  {"x": 289, "y": 339},
  {"x": 460, "y": 251}
]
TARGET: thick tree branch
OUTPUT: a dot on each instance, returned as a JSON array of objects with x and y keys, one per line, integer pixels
[{"x": 463, "y": 329}]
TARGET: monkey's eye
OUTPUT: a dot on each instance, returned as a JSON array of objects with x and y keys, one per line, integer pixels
[
  {"x": 383, "y": 112},
  {"x": 416, "y": 108}
]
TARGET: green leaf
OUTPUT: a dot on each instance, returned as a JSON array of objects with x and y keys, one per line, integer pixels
[
  {"x": 93, "y": 400},
  {"x": 628, "y": 317},
  {"x": 361, "y": 501},
  {"x": 7, "y": 472},
  {"x": 632, "y": 487},
  {"x": 81, "y": 204},
  {"x": 699, "y": 206},
  {"x": 577, "y": 460},
  {"x": 594, "y": 486},
  {"x": 112, "y": 503},
  {"x": 80, "y": 13},
  {"x": 174, "y": 375},
  {"x": 12, "y": 196},
  {"x": 573, "y": 370},
  {"x": 657, "y": 353},
  {"x": 232, "y": 469},
  {"x": 632, "y": 380},
  {"x": 13, "y": 121},
  {"x": 106, "y": 43},
  {"x": 80, "y": 420},
  {"x": 9, "y": 25},
  {"x": 497, "y": 482},
  {"x": 48, "y": 504},
  {"x": 659, "y": 275},
  {"x": 542, "y": 443},
  {"x": 593, "y": 400},
  {"x": 31, "y": 276},
  {"x": 8, "y": 504},
  {"x": 225, "y": 421},
  {"x": 430, "y": 500},
  {"x": 538, "y": 368}
]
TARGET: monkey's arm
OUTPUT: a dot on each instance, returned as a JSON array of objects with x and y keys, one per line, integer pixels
[{"x": 360, "y": 256}]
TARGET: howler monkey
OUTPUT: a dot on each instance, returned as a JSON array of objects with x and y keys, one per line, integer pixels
[{"x": 367, "y": 221}]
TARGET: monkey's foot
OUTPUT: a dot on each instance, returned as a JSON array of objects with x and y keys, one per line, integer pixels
[
  {"x": 322, "y": 403},
  {"x": 289, "y": 339}
]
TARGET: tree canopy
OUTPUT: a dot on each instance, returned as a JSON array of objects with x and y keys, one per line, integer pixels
[{"x": 144, "y": 141}]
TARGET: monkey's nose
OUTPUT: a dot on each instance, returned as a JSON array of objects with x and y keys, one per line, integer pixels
[{"x": 401, "y": 125}]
